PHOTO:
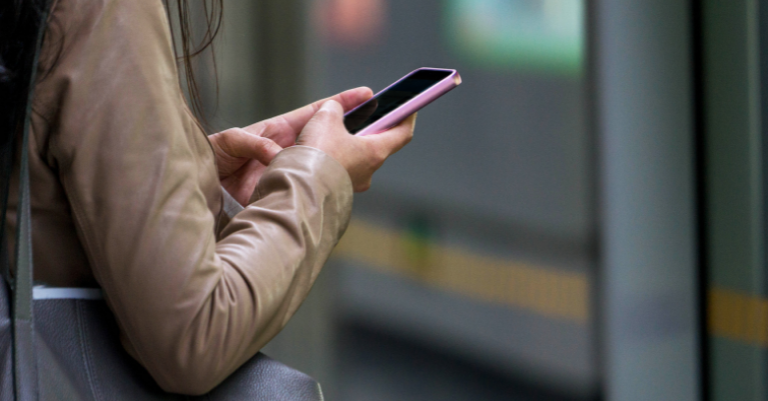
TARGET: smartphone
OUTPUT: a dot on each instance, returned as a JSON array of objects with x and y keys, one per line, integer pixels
[{"x": 401, "y": 99}]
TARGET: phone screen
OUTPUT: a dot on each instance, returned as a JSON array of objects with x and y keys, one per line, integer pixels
[{"x": 392, "y": 98}]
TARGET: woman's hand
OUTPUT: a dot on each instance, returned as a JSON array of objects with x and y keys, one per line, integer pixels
[
  {"x": 360, "y": 155},
  {"x": 242, "y": 154},
  {"x": 241, "y": 158}
]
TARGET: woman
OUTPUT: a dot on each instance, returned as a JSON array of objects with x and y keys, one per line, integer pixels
[{"x": 127, "y": 192}]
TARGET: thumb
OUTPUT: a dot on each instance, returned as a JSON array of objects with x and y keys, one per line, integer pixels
[
  {"x": 333, "y": 107},
  {"x": 330, "y": 113},
  {"x": 395, "y": 138},
  {"x": 238, "y": 143},
  {"x": 264, "y": 150},
  {"x": 329, "y": 118}
]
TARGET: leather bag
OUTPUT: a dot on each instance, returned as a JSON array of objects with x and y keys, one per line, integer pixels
[{"x": 63, "y": 344}]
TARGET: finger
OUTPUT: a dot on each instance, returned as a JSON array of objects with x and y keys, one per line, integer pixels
[
  {"x": 330, "y": 112},
  {"x": 284, "y": 128},
  {"x": 265, "y": 150},
  {"x": 238, "y": 143},
  {"x": 364, "y": 186},
  {"x": 353, "y": 97},
  {"x": 348, "y": 100},
  {"x": 242, "y": 182},
  {"x": 334, "y": 106},
  {"x": 395, "y": 138}
]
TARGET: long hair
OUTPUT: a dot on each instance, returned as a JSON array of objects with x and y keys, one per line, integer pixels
[
  {"x": 212, "y": 14},
  {"x": 20, "y": 21},
  {"x": 19, "y": 24}
]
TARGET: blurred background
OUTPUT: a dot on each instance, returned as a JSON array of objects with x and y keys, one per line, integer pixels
[{"x": 582, "y": 219}]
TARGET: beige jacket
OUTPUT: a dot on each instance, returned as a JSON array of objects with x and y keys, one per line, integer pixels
[{"x": 126, "y": 196}]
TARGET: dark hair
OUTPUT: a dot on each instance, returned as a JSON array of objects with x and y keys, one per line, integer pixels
[
  {"x": 212, "y": 13},
  {"x": 19, "y": 24}
]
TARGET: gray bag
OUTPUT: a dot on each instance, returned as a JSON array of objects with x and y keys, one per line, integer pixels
[{"x": 60, "y": 348}]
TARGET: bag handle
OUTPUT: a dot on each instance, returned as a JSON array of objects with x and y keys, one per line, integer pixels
[{"x": 25, "y": 379}]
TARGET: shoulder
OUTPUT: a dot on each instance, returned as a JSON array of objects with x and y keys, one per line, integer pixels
[
  {"x": 74, "y": 20},
  {"x": 87, "y": 9},
  {"x": 91, "y": 44},
  {"x": 89, "y": 35}
]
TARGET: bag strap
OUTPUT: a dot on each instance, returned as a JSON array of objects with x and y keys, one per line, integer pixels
[{"x": 24, "y": 359}]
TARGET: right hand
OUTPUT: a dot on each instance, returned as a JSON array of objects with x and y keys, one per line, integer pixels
[
  {"x": 243, "y": 154},
  {"x": 361, "y": 156}
]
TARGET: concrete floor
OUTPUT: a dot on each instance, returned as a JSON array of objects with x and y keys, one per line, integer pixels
[{"x": 375, "y": 366}]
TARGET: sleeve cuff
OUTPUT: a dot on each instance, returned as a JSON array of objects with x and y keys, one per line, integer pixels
[{"x": 327, "y": 171}]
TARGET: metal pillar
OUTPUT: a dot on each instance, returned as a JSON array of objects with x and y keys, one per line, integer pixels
[{"x": 645, "y": 126}]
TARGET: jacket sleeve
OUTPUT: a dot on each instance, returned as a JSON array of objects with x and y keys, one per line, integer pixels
[{"x": 142, "y": 184}]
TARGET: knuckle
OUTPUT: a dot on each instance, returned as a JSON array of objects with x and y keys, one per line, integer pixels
[
  {"x": 269, "y": 126},
  {"x": 381, "y": 155},
  {"x": 325, "y": 114},
  {"x": 227, "y": 140},
  {"x": 262, "y": 144},
  {"x": 377, "y": 152},
  {"x": 274, "y": 148},
  {"x": 377, "y": 164},
  {"x": 405, "y": 138},
  {"x": 268, "y": 149},
  {"x": 362, "y": 187}
]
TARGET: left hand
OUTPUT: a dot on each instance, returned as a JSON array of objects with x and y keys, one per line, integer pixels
[{"x": 242, "y": 154}]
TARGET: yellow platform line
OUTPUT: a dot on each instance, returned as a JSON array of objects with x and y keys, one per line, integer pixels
[
  {"x": 539, "y": 289},
  {"x": 738, "y": 316}
]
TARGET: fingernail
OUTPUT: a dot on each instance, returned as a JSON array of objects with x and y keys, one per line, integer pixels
[{"x": 329, "y": 105}]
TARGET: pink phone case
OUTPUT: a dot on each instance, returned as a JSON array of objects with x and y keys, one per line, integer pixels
[{"x": 401, "y": 113}]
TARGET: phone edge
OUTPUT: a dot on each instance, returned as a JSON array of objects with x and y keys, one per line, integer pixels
[{"x": 412, "y": 106}]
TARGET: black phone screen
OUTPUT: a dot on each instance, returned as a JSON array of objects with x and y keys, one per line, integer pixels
[{"x": 392, "y": 98}]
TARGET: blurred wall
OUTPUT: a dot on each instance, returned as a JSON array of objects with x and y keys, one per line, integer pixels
[{"x": 479, "y": 237}]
